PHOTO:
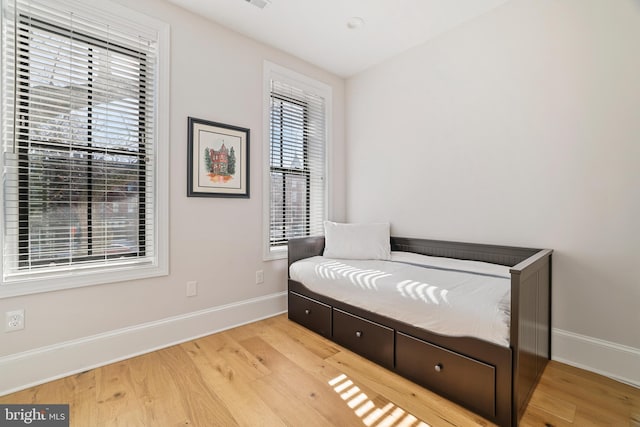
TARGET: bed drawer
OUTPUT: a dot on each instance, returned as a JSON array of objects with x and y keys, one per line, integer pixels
[
  {"x": 450, "y": 374},
  {"x": 369, "y": 339},
  {"x": 310, "y": 313}
]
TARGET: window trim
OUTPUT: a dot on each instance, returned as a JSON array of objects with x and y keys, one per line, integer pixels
[
  {"x": 274, "y": 71},
  {"x": 130, "y": 268}
]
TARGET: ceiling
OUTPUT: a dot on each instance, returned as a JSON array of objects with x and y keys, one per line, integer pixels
[{"x": 317, "y": 31}]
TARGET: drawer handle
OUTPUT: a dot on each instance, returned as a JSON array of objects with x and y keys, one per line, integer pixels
[
  {"x": 307, "y": 311},
  {"x": 358, "y": 334},
  {"x": 438, "y": 367}
]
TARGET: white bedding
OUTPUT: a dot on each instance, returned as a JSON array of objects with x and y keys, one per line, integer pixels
[{"x": 443, "y": 295}]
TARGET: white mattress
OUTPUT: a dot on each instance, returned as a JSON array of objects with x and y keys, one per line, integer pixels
[{"x": 443, "y": 295}]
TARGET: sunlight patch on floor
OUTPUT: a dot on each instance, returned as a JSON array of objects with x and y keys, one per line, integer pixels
[{"x": 364, "y": 408}]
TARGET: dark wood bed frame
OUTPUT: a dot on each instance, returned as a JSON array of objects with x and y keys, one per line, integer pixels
[{"x": 493, "y": 381}]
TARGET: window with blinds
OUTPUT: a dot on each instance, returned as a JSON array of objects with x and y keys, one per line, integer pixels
[
  {"x": 297, "y": 162},
  {"x": 79, "y": 142}
]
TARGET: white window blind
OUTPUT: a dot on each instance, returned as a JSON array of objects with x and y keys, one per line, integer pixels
[
  {"x": 297, "y": 153},
  {"x": 78, "y": 141}
]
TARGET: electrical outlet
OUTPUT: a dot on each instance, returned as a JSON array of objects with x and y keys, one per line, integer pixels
[
  {"x": 192, "y": 289},
  {"x": 14, "y": 320},
  {"x": 259, "y": 277}
]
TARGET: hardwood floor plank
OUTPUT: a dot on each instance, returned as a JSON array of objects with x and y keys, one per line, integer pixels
[
  {"x": 275, "y": 372},
  {"x": 594, "y": 418},
  {"x": 591, "y": 393},
  {"x": 294, "y": 409},
  {"x": 590, "y": 386},
  {"x": 229, "y": 357},
  {"x": 318, "y": 394},
  {"x": 201, "y": 404},
  {"x": 237, "y": 393},
  {"x": 81, "y": 407},
  {"x": 539, "y": 417},
  {"x": 552, "y": 404},
  {"x": 76, "y": 390},
  {"x": 115, "y": 394},
  {"x": 315, "y": 343},
  {"x": 156, "y": 390},
  {"x": 310, "y": 355}
]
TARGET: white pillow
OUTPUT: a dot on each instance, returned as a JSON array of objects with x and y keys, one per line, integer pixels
[{"x": 357, "y": 241}]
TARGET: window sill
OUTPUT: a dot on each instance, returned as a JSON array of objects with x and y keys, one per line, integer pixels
[
  {"x": 275, "y": 254},
  {"x": 76, "y": 279}
]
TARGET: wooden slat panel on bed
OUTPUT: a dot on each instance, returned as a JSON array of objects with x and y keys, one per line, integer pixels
[{"x": 502, "y": 255}]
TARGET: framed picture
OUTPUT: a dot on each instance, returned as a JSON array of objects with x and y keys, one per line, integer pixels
[{"x": 218, "y": 160}]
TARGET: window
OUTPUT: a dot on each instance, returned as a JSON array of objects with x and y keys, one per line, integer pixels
[
  {"x": 296, "y": 143},
  {"x": 81, "y": 147}
]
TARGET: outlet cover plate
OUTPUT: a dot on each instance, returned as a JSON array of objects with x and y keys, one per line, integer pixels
[
  {"x": 192, "y": 288},
  {"x": 14, "y": 320}
]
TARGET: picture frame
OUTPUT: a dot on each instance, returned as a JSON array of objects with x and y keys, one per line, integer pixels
[{"x": 217, "y": 159}]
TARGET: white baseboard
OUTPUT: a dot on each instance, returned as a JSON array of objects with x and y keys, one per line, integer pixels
[
  {"x": 616, "y": 361},
  {"x": 33, "y": 367}
]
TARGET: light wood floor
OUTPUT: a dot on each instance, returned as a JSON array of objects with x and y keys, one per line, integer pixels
[{"x": 274, "y": 373}]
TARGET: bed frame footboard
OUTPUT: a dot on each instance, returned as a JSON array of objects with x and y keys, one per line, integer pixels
[{"x": 530, "y": 325}]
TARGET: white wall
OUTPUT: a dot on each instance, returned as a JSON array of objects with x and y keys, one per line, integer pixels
[
  {"x": 520, "y": 128},
  {"x": 216, "y": 74}
]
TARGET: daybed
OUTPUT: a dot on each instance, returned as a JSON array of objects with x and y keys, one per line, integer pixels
[{"x": 491, "y": 379}]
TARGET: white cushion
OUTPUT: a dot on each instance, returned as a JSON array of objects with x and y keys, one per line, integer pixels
[{"x": 357, "y": 241}]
